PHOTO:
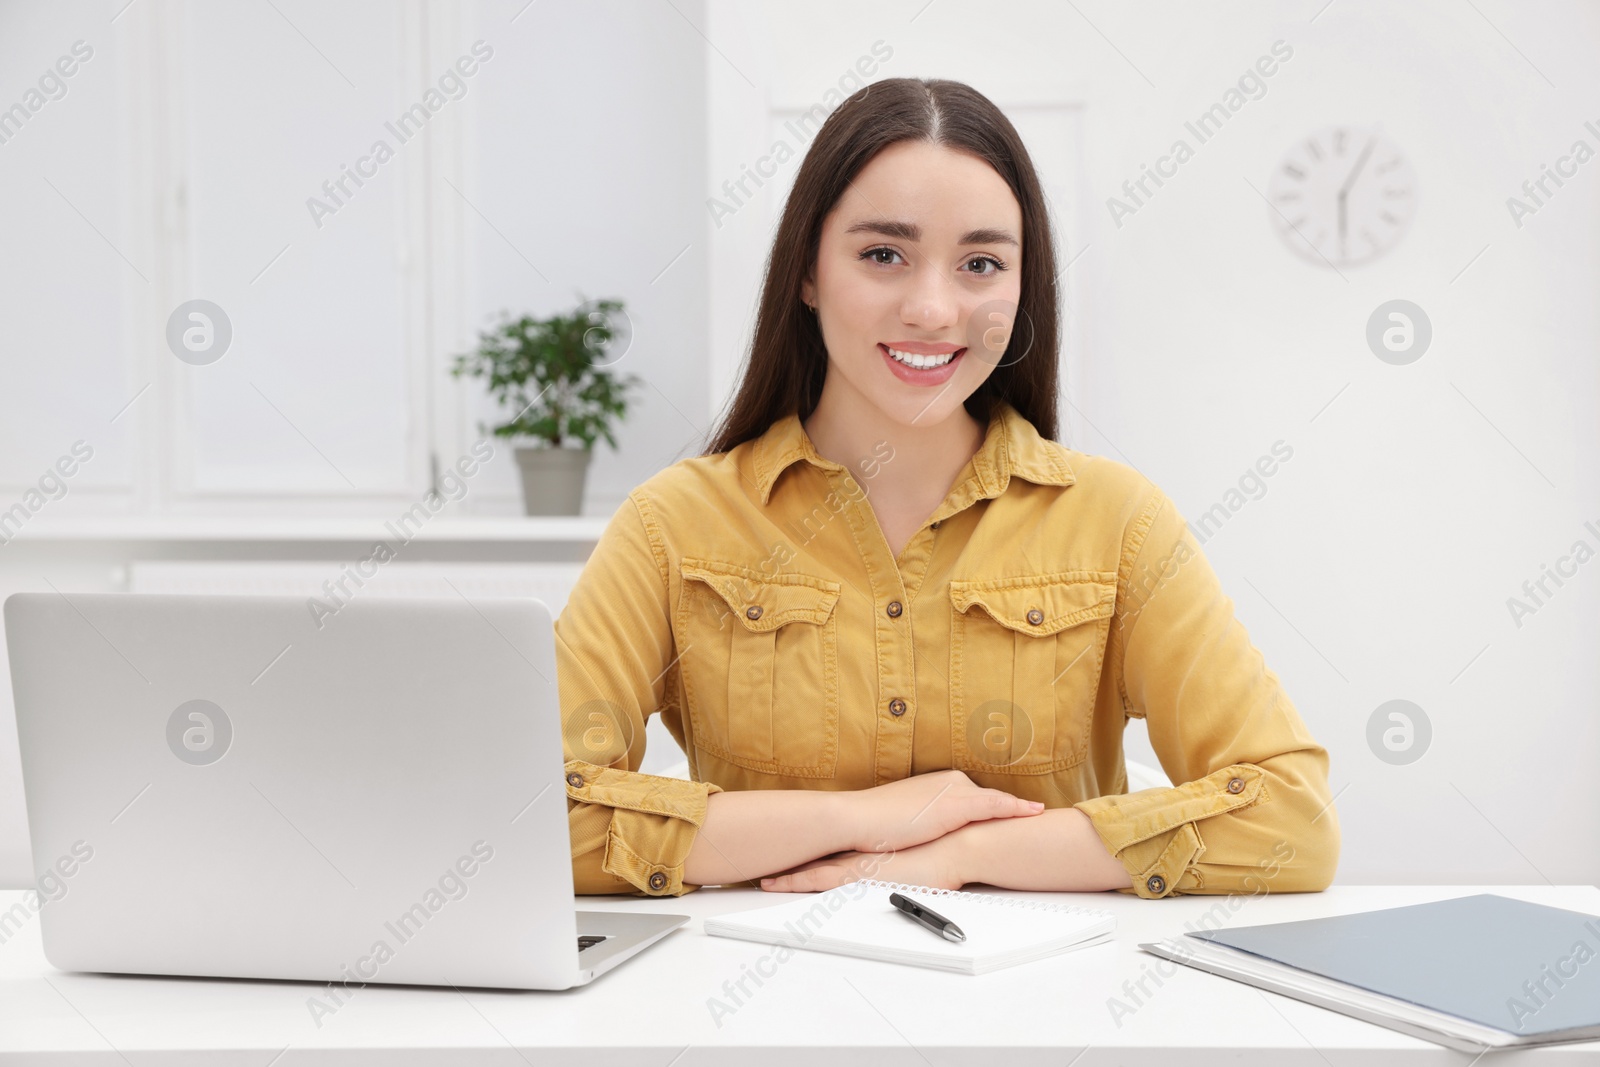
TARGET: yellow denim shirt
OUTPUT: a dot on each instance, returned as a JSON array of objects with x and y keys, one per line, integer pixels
[{"x": 750, "y": 599}]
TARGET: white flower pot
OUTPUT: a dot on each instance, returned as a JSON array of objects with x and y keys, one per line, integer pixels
[{"x": 553, "y": 479}]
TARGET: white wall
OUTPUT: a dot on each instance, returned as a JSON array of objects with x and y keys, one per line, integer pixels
[{"x": 1376, "y": 564}]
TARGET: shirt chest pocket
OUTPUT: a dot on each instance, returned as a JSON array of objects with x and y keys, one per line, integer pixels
[
  {"x": 760, "y": 667},
  {"x": 1025, "y": 659}
]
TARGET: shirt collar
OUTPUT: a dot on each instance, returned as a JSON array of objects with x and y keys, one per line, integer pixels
[{"x": 1011, "y": 446}]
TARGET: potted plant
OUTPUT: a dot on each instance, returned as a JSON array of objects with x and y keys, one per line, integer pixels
[{"x": 551, "y": 374}]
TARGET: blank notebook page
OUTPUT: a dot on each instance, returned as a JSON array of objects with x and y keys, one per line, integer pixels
[{"x": 857, "y": 919}]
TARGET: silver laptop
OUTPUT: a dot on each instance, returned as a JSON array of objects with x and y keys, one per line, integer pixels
[{"x": 259, "y": 787}]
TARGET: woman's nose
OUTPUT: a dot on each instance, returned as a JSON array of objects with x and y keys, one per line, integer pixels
[{"x": 931, "y": 301}]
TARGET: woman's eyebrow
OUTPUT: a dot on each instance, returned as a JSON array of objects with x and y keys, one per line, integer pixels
[{"x": 910, "y": 231}]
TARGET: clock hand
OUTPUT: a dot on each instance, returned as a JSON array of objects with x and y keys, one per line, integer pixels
[
  {"x": 1343, "y": 254},
  {"x": 1344, "y": 191},
  {"x": 1365, "y": 152}
]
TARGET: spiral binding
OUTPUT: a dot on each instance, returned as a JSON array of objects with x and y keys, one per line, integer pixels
[{"x": 984, "y": 898}]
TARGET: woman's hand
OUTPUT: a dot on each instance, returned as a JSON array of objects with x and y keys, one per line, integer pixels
[
  {"x": 900, "y": 815},
  {"x": 935, "y": 863}
]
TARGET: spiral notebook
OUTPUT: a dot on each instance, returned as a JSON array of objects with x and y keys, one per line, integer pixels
[{"x": 856, "y": 919}]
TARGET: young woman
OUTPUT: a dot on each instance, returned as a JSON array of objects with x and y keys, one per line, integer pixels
[{"x": 897, "y": 628}]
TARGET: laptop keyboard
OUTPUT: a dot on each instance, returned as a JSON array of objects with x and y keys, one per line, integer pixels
[{"x": 586, "y": 940}]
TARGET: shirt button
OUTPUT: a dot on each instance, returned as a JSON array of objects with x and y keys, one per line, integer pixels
[
  {"x": 1156, "y": 884},
  {"x": 935, "y": 526},
  {"x": 1235, "y": 785},
  {"x": 897, "y": 706},
  {"x": 658, "y": 881},
  {"x": 574, "y": 779},
  {"x": 894, "y": 609},
  {"x": 1035, "y": 616},
  {"x": 753, "y": 611}
]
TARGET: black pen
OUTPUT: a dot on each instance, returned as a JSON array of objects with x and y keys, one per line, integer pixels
[{"x": 927, "y": 917}]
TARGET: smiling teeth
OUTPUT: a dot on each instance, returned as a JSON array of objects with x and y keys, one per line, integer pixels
[{"x": 911, "y": 359}]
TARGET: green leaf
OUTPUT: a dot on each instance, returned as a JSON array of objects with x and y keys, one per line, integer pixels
[{"x": 542, "y": 374}]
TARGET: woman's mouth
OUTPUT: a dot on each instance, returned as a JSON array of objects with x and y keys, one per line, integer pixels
[{"x": 918, "y": 369}]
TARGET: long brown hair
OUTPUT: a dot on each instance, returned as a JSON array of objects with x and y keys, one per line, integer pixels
[{"x": 788, "y": 360}]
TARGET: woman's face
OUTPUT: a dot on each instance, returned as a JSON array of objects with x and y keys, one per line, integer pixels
[{"x": 923, "y": 255}]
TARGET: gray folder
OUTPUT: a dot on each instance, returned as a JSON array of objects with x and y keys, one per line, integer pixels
[{"x": 1528, "y": 969}]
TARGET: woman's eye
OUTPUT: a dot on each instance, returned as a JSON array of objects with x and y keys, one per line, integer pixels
[
  {"x": 873, "y": 254},
  {"x": 991, "y": 261}
]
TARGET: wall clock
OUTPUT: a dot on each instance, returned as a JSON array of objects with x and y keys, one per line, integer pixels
[{"x": 1342, "y": 195}]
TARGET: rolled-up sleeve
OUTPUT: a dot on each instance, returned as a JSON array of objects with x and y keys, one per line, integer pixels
[
  {"x": 1252, "y": 811},
  {"x": 631, "y": 832}
]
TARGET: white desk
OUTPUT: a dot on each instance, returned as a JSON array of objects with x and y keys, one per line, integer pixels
[{"x": 815, "y": 1008}]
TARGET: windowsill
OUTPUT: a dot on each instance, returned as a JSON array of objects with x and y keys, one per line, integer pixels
[{"x": 560, "y": 529}]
